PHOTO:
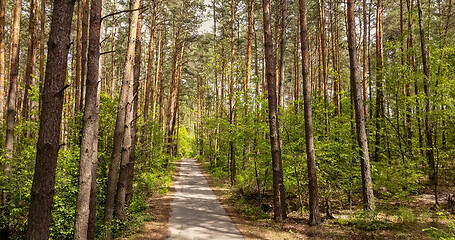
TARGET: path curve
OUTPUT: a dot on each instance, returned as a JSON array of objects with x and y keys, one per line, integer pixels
[{"x": 196, "y": 212}]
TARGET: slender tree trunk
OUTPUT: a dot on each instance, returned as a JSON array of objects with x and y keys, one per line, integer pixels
[
  {"x": 77, "y": 93},
  {"x": 325, "y": 78},
  {"x": 231, "y": 92},
  {"x": 365, "y": 62},
  {"x": 311, "y": 158},
  {"x": 296, "y": 64},
  {"x": 215, "y": 70},
  {"x": 13, "y": 74},
  {"x": 85, "y": 13},
  {"x": 42, "y": 192},
  {"x": 276, "y": 48},
  {"x": 2, "y": 57},
  {"x": 173, "y": 91},
  {"x": 11, "y": 108},
  {"x": 279, "y": 201},
  {"x": 137, "y": 74},
  {"x": 282, "y": 64},
  {"x": 148, "y": 85},
  {"x": 91, "y": 231},
  {"x": 124, "y": 101},
  {"x": 335, "y": 71},
  {"x": 379, "y": 115},
  {"x": 428, "y": 122},
  {"x": 89, "y": 144},
  {"x": 356, "y": 91},
  {"x": 113, "y": 57},
  {"x": 161, "y": 81},
  {"x": 31, "y": 55},
  {"x": 157, "y": 95},
  {"x": 248, "y": 51},
  {"x": 41, "y": 50}
]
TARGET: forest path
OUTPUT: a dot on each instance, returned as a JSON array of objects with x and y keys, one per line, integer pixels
[{"x": 196, "y": 212}]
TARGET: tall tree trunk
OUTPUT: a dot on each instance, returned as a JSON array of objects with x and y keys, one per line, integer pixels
[
  {"x": 173, "y": 95},
  {"x": 42, "y": 192},
  {"x": 311, "y": 158},
  {"x": 77, "y": 93},
  {"x": 90, "y": 129},
  {"x": 282, "y": 64},
  {"x": 11, "y": 108},
  {"x": 296, "y": 64},
  {"x": 91, "y": 230},
  {"x": 161, "y": 84},
  {"x": 379, "y": 115},
  {"x": 148, "y": 84},
  {"x": 41, "y": 49},
  {"x": 85, "y": 13},
  {"x": 113, "y": 57},
  {"x": 356, "y": 91},
  {"x": 335, "y": 70},
  {"x": 365, "y": 44},
  {"x": 325, "y": 78},
  {"x": 428, "y": 122},
  {"x": 13, "y": 74},
  {"x": 279, "y": 201},
  {"x": 231, "y": 92},
  {"x": 31, "y": 55},
  {"x": 248, "y": 51},
  {"x": 137, "y": 75},
  {"x": 2, "y": 57},
  {"x": 407, "y": 87},
  {"x": 157, "y": 96},
  {"x": 124, "y": 101}
]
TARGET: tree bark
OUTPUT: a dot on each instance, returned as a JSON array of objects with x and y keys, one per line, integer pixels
[
  {"x": 279, "y": 202},
  {"x": 137, "y": 74},
  {"x": 356, "y": 91},
  {"x": 148, "y": 84},
  {"x": 311, "y": 158},
  {"x": 2, "y": 57},
  {"x": 85, "y": 13},
  {"x": 113, "y": 57},
  {"x": 231, "y": 92},
  {"x": 31, "y": 55},
  {"x": 173, "y": 95},
  {"x": 121, "y": 119},
  {"x": 13, "y": 74},
  {"x": 364, "y": 57},
  {"x": 41, "y": 49},
  {"x": 427, "y": 89},
  {"x": 379, "y": 115},
  {"x": 50, "y": 121},
  {"x": 90, "y": 129},
  {"x": 77, "y": 92},
  {"x": 282, "y": 64},
  {"x": 325, "y": 78},
  {"x": 248, "y": 51}
]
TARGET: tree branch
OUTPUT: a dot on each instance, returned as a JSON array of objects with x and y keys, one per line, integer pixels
[{"x": 124, "y": 11}]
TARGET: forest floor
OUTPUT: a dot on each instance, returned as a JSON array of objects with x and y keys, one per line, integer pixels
[{"x": 414, "y": 217}]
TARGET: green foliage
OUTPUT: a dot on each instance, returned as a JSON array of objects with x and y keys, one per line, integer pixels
[
  {"x": 447, "y": 233},
  {"x": 406, "y": 215},
  {"x": 184, "y": 143},
  {"x": 368, "y": 221}
]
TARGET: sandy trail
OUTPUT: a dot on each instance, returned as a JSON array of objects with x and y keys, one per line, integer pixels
[{"x": 196, "y": 212}]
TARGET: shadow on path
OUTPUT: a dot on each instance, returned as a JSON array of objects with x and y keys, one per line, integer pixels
[{"x": 196, "y": 212}]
